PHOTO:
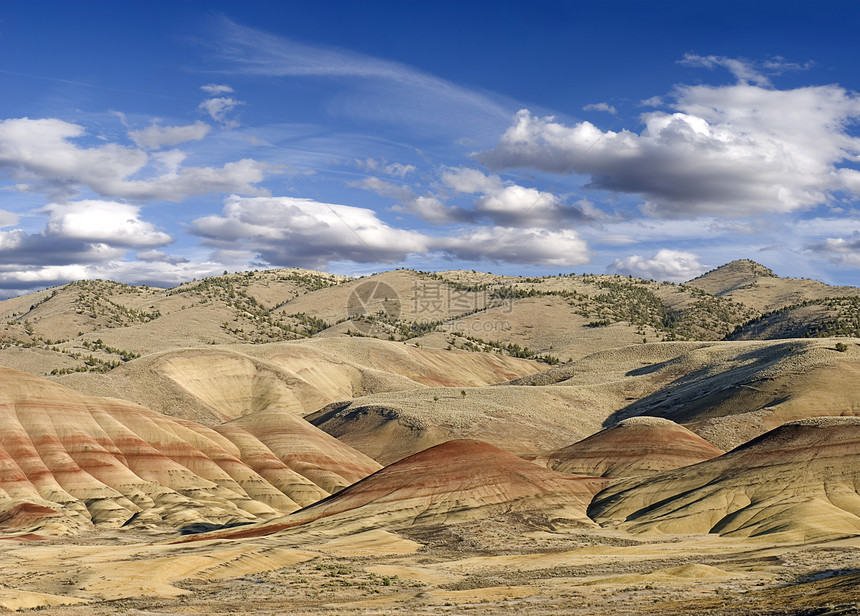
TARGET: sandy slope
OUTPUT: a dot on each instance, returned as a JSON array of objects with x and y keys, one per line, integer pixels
[
  {"x": 216, "y": 384},
  {"x": 727, "y": 392},
  {"x": 797, "y": 482},
  {"x": 520, "y": 420}
]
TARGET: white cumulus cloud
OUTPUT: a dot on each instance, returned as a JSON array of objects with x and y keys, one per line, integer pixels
[
  {"x": 7, "y": 219},
  {"x": 671, "y": 265},
  {"x": 43, "y": 154},
  {"x": 734, "y": 151},
  {"x": 840, "y": 250},
  {"x": 291, "y": 232},
  {"x": 76, "y": 234},
  {"x": 108, "y": 222},
  {"x": 306, "y": 233},
  {"x": 562, "y": 248},
  {"x": 158, "y": 256},
  {"x": 508, "y": 204}
]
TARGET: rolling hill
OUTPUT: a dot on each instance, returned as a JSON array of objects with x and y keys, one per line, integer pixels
[
  {"x": 799, "y": 481},
  {"x": 413, "y": 441},
  {"x": 457, "y": 481},
  {"x": 70, "y": 461},
  {"x": 636, "y": 446}
]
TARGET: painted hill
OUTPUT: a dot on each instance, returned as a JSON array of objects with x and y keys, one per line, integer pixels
[
  {"x": 69, "y": 461},
  {"x": 450, "y": 483},
  {"x": 797, "y": 482},
  {"x": 307, "y": 451},
  {"x": 635, "y": 446}
]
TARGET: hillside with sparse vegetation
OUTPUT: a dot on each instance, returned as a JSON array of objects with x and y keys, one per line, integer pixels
[{"x": 96, "y": 325}]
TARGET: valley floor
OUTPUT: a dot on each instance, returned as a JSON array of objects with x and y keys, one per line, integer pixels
[{"x": 509, "y": 565}]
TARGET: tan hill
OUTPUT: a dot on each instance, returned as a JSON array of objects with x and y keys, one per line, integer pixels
[
  {"x": 68, "y": 461},
  {"x": 93, "y": 326},
  {"x": 635, "y": 446},
  {"x": 837, "y": 316},
  {"x": 754, "y": 285},
  {"x": 726, "y": 392},
  {"x": 797, "y": 482},
  {"x": 579, "y": 315},
  {"x": 391, "y": 298},
  {"x": 451, "y": 483},
  {"x": 216, "y": 384},
  {"x": 548, "y": 326},
  {"x": 519, "y": 420},
  {"x": 731, "y": 276}
]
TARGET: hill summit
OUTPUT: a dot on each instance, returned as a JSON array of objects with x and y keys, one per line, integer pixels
[{"x": 731, "y": 276}]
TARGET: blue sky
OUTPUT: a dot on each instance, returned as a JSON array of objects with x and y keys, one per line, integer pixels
[{"x": 155, "y": 142}]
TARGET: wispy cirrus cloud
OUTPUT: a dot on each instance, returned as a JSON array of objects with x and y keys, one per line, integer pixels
[
  {"x": 745, "y": 70},
  {"x": 426, "y": 207},
  {"x": 399, "y": 170},
  {"x": 605, "y": 107},
  {"x": 381, "y": 90},
  {"x": 216, "y": 88},
  {"x": 218, "y": 107}
]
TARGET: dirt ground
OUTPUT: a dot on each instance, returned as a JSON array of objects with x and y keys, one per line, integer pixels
[{"x": 507, "y": 565}]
